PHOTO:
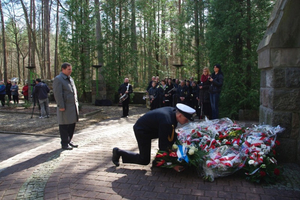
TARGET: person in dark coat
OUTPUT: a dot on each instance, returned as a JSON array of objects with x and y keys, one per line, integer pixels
[
  {"x": 8, "y": 92},
  {"x": 125, "y": 89},
  {"x": 41, "y": 91},
  {"x": 153, "y": 96},
  {"x": 15, "y": 92},
  {"x": 150, "y": 83},
  {"x": 216, "y": 83},
  {"x": 204, "y": 98},
  {"x": 194, "y": 97},
  {"x": 2, "y": 93},
  {"x": 183, "y": 93},
  {"x": 65, "y": 94},
  {"x": 159, "y": 123},
  {"x": 170, "y": 91}
]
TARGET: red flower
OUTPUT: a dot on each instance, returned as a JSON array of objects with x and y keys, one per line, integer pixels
[
  {"x": 199, "y": 134},
  {"x": 173, "y": 154},
  {"x": 277, "y": 142},
  {"x": 161, "y": 155},
  {"x": 274, "y": 152},
  {"x": 193, "y": 131},
  {"x": 160, "y": 163},
  {"x": 262, "y": 173},
  {"x": 276, "y": 171}
]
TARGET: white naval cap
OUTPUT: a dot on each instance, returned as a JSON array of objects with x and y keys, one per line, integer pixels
[{"x": 187, "y": 111}]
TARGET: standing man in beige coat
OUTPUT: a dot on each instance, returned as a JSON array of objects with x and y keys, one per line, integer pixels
[{"x": 65, "y": 95}]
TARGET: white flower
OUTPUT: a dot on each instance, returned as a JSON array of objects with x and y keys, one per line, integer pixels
[
  {"x": 261, "y": 153},
  {"x": 191, "y": 151},
  {"x": 224, "y": 141},
  {"x": 174, "y": 147},
  {"x": 263, "y": 146},
  {"x": 235, "y": 145},
  {"x": 251, "y": 162}
]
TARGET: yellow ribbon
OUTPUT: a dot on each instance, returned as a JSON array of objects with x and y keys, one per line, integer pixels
[{"x": 172, "y": 138}]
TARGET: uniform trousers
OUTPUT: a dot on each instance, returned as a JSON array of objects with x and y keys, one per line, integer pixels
[
  {"x": 125, "y": 105},
  {"x": 144, "y": 144},
  {"x": 66, "y": 133}
]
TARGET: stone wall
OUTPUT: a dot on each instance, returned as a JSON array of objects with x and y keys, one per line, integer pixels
[{"x": 279, "y": 61}]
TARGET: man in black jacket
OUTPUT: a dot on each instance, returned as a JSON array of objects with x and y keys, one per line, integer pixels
[
  {"x": 41, "y": 91},
  {"x": 125, "y": 90},
  {"x": 159, "y": 123}
]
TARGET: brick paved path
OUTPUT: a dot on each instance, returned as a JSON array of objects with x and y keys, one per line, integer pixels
[{"x": 47, "y": 172}]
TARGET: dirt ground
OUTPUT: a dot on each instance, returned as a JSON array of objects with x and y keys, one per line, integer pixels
[{"x": 18, "y": 118}]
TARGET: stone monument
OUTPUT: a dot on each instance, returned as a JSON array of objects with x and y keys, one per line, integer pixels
[{"x": 279, "y": 61}]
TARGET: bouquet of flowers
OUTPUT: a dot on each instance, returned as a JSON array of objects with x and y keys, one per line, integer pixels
[{"x": 221, "y": 147}]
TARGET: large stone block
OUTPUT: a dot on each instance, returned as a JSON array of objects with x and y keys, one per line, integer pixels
[
  {"x": 265, "y": 115},
  {"x": 287, "y": 100},
  {"x": 264, "y": 100},
  {"x": 285, "y": 57},
  {"x": 279, "y": 75},
  {"x": 264, "y": 58},
  {"x": 293, "y": 77},
  {"x": 270, "y": 78}
]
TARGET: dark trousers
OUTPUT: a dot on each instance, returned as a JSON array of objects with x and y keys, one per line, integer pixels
[
  {"x": 125, "y": 105},
  {"x": 66, "y": 133},
  {"x": 144, "y": 144},
  {"x": 214, "y": 102},
  {"x": 16, "y": 98},
  {"x": 8, "y": 95},
  {"x": 2, "y": 99}
]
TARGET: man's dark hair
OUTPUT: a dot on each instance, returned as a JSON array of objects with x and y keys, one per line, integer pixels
[
  {"x": 65, "y": 65},
  {"x": 38, "y": 80}
]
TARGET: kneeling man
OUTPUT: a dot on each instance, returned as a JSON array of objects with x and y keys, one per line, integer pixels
[{"x": 159, "y": 123}]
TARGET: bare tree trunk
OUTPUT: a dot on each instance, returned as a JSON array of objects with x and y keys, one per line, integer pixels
[
  {"x": 99, "y": 33},
  {"x": 134, "y": 43},
  {"x": 248, "y": 54},
  {"x": 47, "y": 38},
  {"x": 120, "y": 39},
  {"x": 3, "y": 45},
  {"x": 56, "y": 40}
]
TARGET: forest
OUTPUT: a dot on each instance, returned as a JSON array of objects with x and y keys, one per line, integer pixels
[{"x": 137, "y": 39}]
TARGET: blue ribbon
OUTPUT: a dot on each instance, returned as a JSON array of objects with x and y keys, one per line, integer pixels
[{"x": 182, "y": 153}]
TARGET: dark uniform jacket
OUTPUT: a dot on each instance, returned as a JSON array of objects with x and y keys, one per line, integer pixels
[
  {"x": 159, "y": 123},
  {"x": 123, "y": 88},
  {"x": 217, "y": 83}
]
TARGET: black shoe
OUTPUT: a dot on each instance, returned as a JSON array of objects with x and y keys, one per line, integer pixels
[
  {"x": 67, "y": 147},
  {"x": 73, "y": 145},
  {"x": 116, "y": 156}
]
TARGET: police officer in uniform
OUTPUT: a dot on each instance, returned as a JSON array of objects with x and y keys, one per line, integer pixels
[
  {"x": 125, "y": 88},
  {"x": 159, "y": 123}
]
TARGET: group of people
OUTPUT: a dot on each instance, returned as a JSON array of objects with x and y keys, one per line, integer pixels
[
  {"x": 171, "y": 102},
  {"x": 11, "y": 89},
  {"x": 202, "y": 95}
]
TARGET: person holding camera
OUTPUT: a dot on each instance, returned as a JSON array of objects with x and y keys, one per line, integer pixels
[
  {"x": 216, "y": 83},
  {"x": 41, "y": 91}
]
